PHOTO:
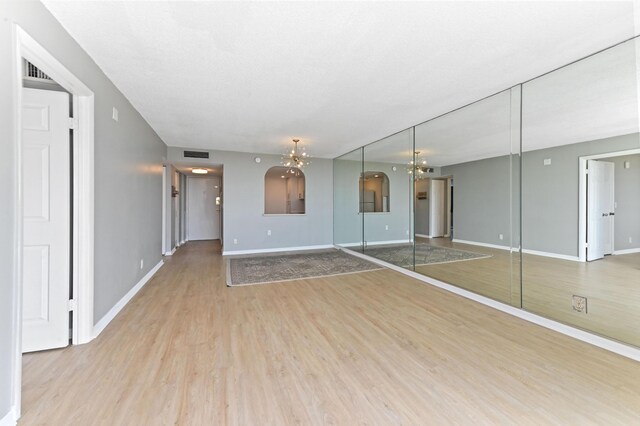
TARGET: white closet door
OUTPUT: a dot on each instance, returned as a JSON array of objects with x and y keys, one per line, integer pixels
[{"x": 46, "y": 207}]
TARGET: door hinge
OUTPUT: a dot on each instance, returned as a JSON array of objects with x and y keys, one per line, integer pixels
[
  {"x": 72, "y": 305},
  {"x": 73, "y": 123}
]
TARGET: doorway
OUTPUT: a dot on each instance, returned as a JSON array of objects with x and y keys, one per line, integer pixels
[
  {"x": 80, "y": 207},
  {"x": 203, "y": 208},
  {"x": 434, "y": 207},
  {"x": 605, "y": 227}
]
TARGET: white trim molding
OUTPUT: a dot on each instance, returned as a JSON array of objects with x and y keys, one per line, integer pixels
[
  {"x": 10, "y": 419},
  {"x": 585, "y": 336},
  {"x": 475, "y": 243},
  {"x": 170, "y": 253},
  {"x": 276, "y": 250},
  {"x": 105, "y": 320},
  {"x": 553, "y": 255},
  {"x": 626, "y": 251}
]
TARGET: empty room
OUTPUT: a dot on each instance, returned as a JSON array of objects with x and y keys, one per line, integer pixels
[{"x": 319, "y": 212}]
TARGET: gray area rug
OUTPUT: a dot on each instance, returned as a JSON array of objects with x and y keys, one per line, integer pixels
[
  {"x": 288, "y": 267},
  {"x": 426, "y": 254}
]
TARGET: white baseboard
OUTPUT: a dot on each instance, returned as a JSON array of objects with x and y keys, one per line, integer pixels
[
  {"x": 553, "y": 255},
  {"x": 105, "y": 320},
  {"x": 374, "y": 243},
  {"x": 627, "y": 251},
  {"x": 170, "y": 253},
  {"x": 10, "y": 418},
  {"x": 475, "y": 243},
  {"x": 275, "y": 250},
  {"x": 381, "y": 243},
  {"x": 594, "y": 339}
]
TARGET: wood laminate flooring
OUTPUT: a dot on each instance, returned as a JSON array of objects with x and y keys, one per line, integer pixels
[
  {"x": 611, "y": 286},
  {"x": 370, "y": 348}
]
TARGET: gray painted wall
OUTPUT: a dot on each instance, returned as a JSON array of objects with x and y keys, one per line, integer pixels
[
  {"x": 481, "y": 200},
  {"x": 347, "y": 223},
  {"x": 127, "y": 177},
  {"x": 550, "y": 193},
  {"x": 549, "y": 197},
  {"x": 244, "y": 218},
  {"x": 627, "y": 196}
]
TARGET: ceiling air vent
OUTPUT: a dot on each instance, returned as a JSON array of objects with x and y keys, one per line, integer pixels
[
  {"x": 196, "y": 154},
  {"x": 32, "y": 72}
]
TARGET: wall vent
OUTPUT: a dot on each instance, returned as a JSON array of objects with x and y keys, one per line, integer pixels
[
  {"x": 31, "y": 72},
  {"x": 196, "y": 154}
]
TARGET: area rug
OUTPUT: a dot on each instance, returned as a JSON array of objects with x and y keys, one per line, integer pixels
[
  {"x": 289, "y": 267},
  {"x": 426, "y": 254}
]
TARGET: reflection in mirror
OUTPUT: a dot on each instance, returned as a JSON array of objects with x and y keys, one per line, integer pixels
[
  {"x": 374, "y": 192},
  {"x": 388, "y": 227},
  {"x": 347, "y": 221},
  {"x": 284, "y": 191},
  {"x": 464, "y": 215},
  {"x": 581, "y": 194}
]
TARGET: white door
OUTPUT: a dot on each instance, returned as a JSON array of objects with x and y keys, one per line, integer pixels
[
  {"x": 600, "y": 209},
  {"x": 203, "y": 215},
  {"x": 437, "y": 221},
  {"x": 46, "y": 207}
]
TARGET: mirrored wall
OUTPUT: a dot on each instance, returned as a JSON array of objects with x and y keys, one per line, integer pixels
[
  {"x": 581, "y": 194},
  {"x": 530, "y": 197}
]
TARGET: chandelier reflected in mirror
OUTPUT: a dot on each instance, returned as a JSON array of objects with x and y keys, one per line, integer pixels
[
  {"x": 417, "y": 167},
  {"x": 296, "y": 158}
]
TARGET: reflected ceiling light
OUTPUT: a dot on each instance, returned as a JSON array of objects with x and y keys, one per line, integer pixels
[
  {"x": 296, "y": 158},
  {"x": 200, "y": 171},
  {"x": 417, "y": 167}
]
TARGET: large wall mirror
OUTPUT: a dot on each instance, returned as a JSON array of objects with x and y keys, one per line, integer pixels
[
  {"x": 530, "y": 197},
  {"x": 388, "y": 236},
  {"x": 464, "y": 214},
  {"x": 581, "y": 194}
]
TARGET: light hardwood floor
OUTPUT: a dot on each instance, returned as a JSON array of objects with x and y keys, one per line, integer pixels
[
  {"x": 369, "y": 348},
  {"x": 611, "y": 286}
]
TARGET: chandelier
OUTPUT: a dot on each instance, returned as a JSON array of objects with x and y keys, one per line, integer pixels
[
  {"x": 295, "y": 159},
  {"x": 417, "y": 167}
]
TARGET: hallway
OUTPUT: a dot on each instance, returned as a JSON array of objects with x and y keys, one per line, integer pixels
[{"x": 375, "y": 348}]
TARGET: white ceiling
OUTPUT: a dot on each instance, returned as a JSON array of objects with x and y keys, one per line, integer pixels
[{"x": 250, "y": 76}]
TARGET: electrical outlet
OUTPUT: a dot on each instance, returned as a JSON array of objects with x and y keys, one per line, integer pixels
[
  {"x": 268, "y": 232},
  {"x": 235, "y": 241},
  {"x": 579, "y": 303},
  {"x": 141, "y": 263},
  {"x": 386, "y": 227},
  {"x": 630, "y": 240},
  {"x": 501, "y": 237}
]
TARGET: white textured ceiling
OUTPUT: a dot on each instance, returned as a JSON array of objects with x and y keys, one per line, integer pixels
[{"x": 249, "y": 76}]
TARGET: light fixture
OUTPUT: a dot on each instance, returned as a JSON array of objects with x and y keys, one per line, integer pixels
[
  {"x": 417, "y": 167},
  {"x": 296, "y": 158},
  {"x": 200, "y": 171}
]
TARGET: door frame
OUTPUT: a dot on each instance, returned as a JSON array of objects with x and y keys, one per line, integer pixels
[
  {"x": 25, "y": 46},
  {"x": 582, "y": 191}
]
